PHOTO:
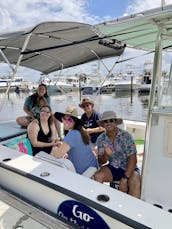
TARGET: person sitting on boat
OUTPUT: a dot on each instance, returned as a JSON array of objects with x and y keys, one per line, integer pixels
[
  {"x": 75, "y": 142},
  {"x": 117, "y": 147},
  {"x": 41, "y": 101},
  {"x": 30, "y": 104},
  {"x": 90, "y": 118},
  {"x": 42, "y": 132}
]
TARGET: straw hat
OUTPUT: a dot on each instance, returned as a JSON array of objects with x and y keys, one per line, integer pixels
[
  {"x": 109, "y": 115},
  {"x": 86, "y": 100},
  {"x": 70, "y": 110}
]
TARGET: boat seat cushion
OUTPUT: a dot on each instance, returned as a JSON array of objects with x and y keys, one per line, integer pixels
[
  {"x": 64, "y": 163},
  {"x": 21, "y": 144},
  {"x": 9, "y": 132},
  {"x": 61, "y": 162}
]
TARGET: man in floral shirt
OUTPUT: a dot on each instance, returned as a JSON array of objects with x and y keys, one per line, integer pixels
[{"x": 117, "y": 155}]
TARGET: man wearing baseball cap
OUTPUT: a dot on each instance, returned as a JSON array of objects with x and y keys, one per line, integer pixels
[{"x": 90, "y": 118}]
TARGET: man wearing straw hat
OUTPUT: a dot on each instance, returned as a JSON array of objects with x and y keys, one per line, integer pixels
[{"x": 117, "y": 147}]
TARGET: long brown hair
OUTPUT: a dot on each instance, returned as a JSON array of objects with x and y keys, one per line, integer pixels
[
  {"x": 50, "y": 120},
  {"x": 45, "y": 86},
  {"x": 85, "y": 137}
]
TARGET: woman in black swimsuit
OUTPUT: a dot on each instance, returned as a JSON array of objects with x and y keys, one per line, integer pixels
[{"x": 42, "y": 132}]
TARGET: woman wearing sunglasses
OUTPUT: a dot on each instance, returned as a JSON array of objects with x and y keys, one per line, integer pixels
[
  {"x": 75, "y": 142},
  {"x": 117, "y": 147},
  {"x": 42, "y": 131}
]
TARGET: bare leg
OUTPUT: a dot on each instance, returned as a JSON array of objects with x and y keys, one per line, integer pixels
[
  {"x": 23, "y": 121},
  {"x": 103, "y": 175},
  {"x": 134, "y": 184}
]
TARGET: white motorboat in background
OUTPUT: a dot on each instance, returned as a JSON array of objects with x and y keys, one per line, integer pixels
[
  {"x": 127, "y": 82},
  {"x": 146, "y": 78},
  {"x": 14, "y": 83},
  {"x": 74, "y": 198},
  {"x": 66, "y": 83}
]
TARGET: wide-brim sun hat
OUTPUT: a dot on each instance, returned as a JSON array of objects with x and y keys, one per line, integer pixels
[
  {"x": 71, "y": 111},
  {"x": 109, "y": 115},
  {"x": 86, "y": 100}
]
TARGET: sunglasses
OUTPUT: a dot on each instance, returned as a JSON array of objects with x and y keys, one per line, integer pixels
[
  {"x": 109, "y": 120},
  {"x": 47, "y": 112},
  {"x": 86, "y": 105},
  {"x": 69, "y": 120}
]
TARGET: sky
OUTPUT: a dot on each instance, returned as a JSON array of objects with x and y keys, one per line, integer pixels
[{"x": 19, "y": 14}]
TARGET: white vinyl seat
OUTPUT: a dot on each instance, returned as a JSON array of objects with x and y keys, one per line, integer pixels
[
  {"x": 89, "y": 172},
  {"x": 64, "y": 163}
]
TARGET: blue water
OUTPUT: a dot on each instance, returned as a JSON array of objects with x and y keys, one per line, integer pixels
[{"x": 127, "y": 106}]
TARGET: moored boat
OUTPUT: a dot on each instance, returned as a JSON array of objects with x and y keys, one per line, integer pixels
[{"x": 90, "y": 204}]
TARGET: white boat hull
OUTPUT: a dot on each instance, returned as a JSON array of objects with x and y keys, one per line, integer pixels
[
  {"x": 60, "y": 193},
  {"x": 126, "y": 86}
]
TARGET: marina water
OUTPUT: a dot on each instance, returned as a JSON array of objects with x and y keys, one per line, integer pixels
[{"x": 127, "y": 105}]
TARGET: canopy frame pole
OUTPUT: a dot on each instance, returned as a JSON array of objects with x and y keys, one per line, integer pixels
[
  {"x": 23, "y": 48},
  {"x": 109, "y": 71},
  {"x": 155, "y": 82},
  {"x": 14, "y": 70},
  {"x": 6, "y": 60}
]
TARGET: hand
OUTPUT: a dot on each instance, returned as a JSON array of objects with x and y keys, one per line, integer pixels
[
  {"x": 57, "y": 143},
  {"x": 108, "y": 151},
  {"x": 65, "y": 155}
]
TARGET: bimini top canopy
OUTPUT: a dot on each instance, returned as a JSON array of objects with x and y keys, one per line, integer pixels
[
  {"x": 52, "y": 46},
  {"x": 141, "y": 30}
]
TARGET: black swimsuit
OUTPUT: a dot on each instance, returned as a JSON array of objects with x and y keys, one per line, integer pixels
[{"x": 42, "y": 137}]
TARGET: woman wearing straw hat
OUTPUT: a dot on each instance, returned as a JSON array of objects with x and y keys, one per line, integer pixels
[
  {"x": 117, "y": 147},
  {"x": 90, "y": 118},
  {"x": 76, "y": 141}
]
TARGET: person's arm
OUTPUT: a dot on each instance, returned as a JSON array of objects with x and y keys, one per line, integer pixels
[
  {"x": 102, "y": 159},
  {"x": 33, "y": 130},
  {"x": 61, "y": 150},
  {"x": 53, "y": 132},
  {"x": 95, "y": 130},
  {"x": 27, "y": 111},
  {"x": 131, "y": 165},
  {"x": 27, "y": 105}
]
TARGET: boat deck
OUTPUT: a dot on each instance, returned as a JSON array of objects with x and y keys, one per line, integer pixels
[
  {"x": 15, "y": 213},
  {"x": 10, "y": 130}
]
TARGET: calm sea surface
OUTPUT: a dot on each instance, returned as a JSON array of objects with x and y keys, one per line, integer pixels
[{"x": 127, "y": 106}]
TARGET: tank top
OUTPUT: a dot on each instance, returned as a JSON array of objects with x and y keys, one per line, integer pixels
[{"x": 42, "y": 137}]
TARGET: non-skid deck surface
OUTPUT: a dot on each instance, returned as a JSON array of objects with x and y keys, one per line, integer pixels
[{"x": 10, "y": 130}]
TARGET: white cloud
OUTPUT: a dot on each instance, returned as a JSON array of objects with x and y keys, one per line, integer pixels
[
  {"x": 26, "y": 13},
  {"x": 137, "y": 6},
  {"x": 19, "y": 14}
]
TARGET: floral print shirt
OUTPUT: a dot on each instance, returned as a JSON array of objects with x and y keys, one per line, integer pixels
[{"x": 123, "y": 147}]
